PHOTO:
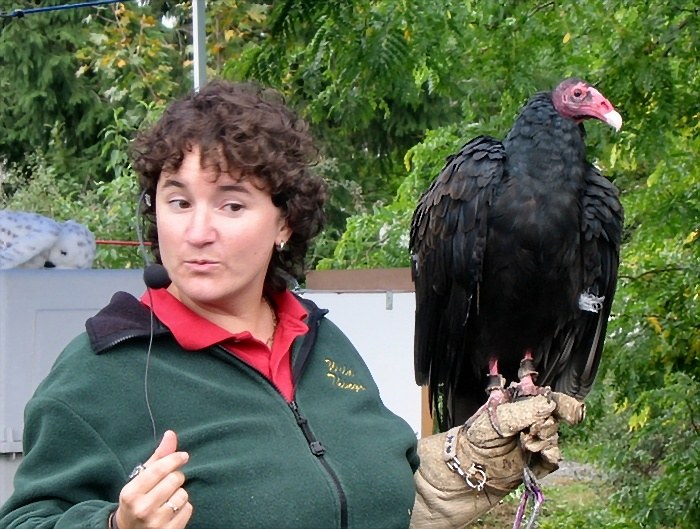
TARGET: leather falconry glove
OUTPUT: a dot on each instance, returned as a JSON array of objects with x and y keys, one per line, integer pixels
[{"x": 468, "y": 469}]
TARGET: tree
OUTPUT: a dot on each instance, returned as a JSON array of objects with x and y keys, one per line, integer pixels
[
  {"x": 370, "y": 76},
  {"x": 45, "y": 107}
]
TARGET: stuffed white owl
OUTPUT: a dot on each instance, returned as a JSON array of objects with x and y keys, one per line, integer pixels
[{"x": 30, "y": 240}]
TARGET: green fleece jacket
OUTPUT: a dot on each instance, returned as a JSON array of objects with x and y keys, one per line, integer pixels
[{"x": 334, "y": 457}]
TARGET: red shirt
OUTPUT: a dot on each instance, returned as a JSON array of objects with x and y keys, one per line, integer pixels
[{"x": 194, "y": 333}]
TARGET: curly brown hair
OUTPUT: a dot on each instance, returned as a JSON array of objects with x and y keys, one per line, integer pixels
[{"x": 249, "y": 128}]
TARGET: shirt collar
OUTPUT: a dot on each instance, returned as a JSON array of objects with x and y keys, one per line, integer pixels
[{"x": 194, "y": 332}]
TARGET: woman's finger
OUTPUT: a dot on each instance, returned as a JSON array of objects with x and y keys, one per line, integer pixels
[{"x": 167, "y": 445}]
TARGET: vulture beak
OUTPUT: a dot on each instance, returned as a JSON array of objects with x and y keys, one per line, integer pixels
[
  {"x": 599, "y": 107},
  {"x": 614, "y": 119}
]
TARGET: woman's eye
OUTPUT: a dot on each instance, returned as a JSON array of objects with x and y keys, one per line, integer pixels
[
  {"x": 234, "y": 206},
  {"x": 179, "y": 203}
]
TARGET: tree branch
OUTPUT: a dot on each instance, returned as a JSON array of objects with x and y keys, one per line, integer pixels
[
  {"x": 540, "y": 8},
  {"x": 692, "y": 417},
  {"x": 655, "y": 271}
]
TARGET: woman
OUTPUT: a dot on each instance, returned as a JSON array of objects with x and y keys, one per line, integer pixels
[{"x": 234, "y": 367}]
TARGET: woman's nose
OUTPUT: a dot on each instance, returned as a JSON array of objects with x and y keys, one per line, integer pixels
[{"x": 200, "y": 229}]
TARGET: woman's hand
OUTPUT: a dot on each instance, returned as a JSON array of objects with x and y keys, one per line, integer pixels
[{"x": 155, "y": 499}]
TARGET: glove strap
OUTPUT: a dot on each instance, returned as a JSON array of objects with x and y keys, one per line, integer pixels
[{"x": 475, "y": 475}]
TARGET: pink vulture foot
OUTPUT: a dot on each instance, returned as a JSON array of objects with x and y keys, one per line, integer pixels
[{"x": 526, "y": 386}]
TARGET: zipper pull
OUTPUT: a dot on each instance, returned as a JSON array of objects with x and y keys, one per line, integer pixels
[{"x": 315, "y": 445}]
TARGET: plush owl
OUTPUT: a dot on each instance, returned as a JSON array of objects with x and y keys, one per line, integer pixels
[{"x": 30, "y": 240}]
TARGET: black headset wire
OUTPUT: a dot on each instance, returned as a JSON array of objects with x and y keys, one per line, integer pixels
[{"x": 145, "y": 198}]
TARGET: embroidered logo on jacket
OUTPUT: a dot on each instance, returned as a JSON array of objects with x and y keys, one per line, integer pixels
[{"x": 341, "y": 376}]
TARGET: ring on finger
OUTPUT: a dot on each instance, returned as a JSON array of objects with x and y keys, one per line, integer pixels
[
  {"x": 137, "y": 470},
  {"x": 172, "y": 506}
]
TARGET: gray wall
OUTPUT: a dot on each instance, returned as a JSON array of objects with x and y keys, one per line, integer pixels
[{"x": 42, "y": 310}]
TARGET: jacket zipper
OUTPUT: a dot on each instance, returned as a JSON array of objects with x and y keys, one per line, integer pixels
[
  {"x": 315, "y": 446},
  {"x": 319, "y": 450},
  {"x": 121, "y": 339}
]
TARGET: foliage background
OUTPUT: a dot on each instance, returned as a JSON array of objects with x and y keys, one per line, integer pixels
[{"x": 391, "y": 87}]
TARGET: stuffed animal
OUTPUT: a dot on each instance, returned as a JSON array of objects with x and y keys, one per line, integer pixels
[{"x": 30, "y": 240}]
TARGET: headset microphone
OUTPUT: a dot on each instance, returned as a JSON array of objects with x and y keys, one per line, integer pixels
[{"x": 156, "y": 276}]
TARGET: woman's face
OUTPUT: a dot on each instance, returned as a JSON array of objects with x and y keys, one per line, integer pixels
[{"x": 216, "y": 235}]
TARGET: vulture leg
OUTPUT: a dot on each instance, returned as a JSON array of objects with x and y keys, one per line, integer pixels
[
  {"x": 527, "y": 374},
  {"x": 497, "y": 396}
]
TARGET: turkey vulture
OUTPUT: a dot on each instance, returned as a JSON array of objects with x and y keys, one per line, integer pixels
[{"x": 515, "y": 248}]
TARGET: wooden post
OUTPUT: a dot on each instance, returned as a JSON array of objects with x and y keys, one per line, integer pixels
[{"x": 426, "y": 417}]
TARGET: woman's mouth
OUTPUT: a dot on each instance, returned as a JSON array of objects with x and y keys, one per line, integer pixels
[{"x": 201, "y": 265}]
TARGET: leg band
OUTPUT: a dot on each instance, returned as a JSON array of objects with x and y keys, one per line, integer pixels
[
  {"x": 527, "y": 367},
  {"x": 495, "y": 382}
]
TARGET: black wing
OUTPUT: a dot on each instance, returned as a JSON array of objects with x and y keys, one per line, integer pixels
[
  {"x": 447, "y": 243},
  {"x": 571, "y": 362}
]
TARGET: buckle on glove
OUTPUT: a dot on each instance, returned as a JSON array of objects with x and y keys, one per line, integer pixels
[{"x": 475, "y": 475}]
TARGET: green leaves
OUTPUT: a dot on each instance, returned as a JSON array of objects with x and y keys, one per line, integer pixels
[
  {"x": 655, "y": 464},
  {"x": 40, "y": 92}
]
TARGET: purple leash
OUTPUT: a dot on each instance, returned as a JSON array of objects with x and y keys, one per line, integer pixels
[{"x": 532, "y": 489}]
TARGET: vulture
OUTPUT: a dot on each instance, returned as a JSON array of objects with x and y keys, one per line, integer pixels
[{"x": 514, "y": 256}]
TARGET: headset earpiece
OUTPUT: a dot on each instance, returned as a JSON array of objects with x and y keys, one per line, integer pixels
[{"x": 154, "y": 275}]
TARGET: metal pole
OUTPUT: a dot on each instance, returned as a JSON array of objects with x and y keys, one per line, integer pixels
[{"x": 199, "y": 47}]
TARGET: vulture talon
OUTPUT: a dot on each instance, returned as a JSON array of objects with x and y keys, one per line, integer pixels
[{"x": 527, "y": 388}]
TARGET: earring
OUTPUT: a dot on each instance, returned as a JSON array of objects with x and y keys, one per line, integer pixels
[{"x": 279, "y": 246}]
